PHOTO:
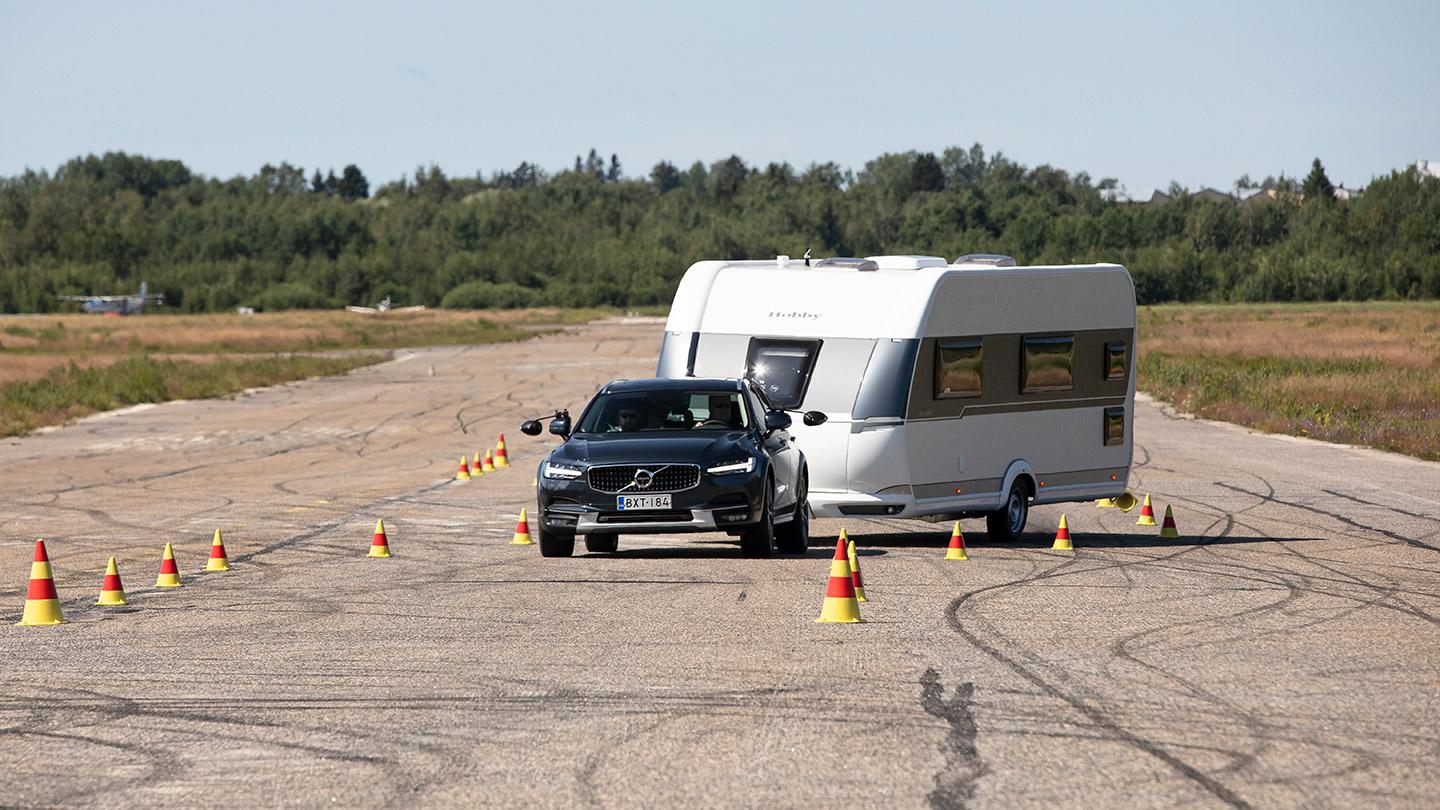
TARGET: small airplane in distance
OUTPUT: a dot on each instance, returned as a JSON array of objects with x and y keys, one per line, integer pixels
[
  {"x": 117, "y": 304},
  {"x": 383, "y": 306}
]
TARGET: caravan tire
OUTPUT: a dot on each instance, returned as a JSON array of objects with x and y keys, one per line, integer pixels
[{"x": 1008, "y": 523}]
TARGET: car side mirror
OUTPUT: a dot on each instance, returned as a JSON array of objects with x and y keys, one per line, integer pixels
[
  {"x": 776, "y": 420},
  {"x": 531, "y": 428},
  {"x": 560, "y": 426},
  {"x": 813, "y": 418}
]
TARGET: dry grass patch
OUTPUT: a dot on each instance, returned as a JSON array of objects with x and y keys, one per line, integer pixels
[{"x": 1353, "y": 373}]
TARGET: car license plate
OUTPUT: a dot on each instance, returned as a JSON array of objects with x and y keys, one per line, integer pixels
[{"x": 628, "y": 502}]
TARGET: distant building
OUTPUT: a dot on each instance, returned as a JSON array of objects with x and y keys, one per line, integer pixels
[
  {"x": 1427, "y": 168},
  {"x": 1213, "y": 195}
]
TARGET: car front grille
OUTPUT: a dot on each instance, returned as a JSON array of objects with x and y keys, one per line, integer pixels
[
  {"x": 621, "y": 478},
  {"x": 676, "y": 516}
]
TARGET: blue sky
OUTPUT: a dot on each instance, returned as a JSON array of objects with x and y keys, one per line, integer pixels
[{"x": 1144, "y": 92}]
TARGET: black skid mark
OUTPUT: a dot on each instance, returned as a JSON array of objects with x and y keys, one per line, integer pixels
[{"x": 955, "y": 783}]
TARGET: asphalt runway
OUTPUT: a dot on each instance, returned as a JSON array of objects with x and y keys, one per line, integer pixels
[{"x": 1285, "y": 652}]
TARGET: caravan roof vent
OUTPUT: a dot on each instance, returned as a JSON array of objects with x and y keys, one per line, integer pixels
[
  {"x": 906, "y": 262},
  {"x": 853, "y": 264},
  {"x": 988, "y": 259}
]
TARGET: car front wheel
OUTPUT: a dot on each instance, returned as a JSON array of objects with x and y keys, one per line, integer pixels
[
  {"x": 602, "y": 543},
  {"x": 554, "y": 542},
  {"x": 759, "y": 540}
]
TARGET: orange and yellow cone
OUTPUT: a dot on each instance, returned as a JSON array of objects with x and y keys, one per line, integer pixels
[
  {"x": 1167, "y": 529},
  {"x": 380, "y": 544},
  {"x": 218, "y": 561},
  {"x": 840, "y": 603},
  {"x": 464, "y": 474},
  {"x": 1147, "y": 515},
  {"x": 1062, "y": 537},
  {"x": 489, "y": 462},
  {"x": 42, "y": 604},
  {"x": 112, "y": 593},
  {"x": 475, "y": 471},
  {"x": 522, "y": 532},
  {"x": 501, "y": 460},
  {"x": 855, "y": 576},
  {"x": 956, "y": 551},
  {"x": 169, "y": 572}
]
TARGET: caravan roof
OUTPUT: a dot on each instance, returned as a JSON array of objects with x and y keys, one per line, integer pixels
[{"x": 933, "y": 299}]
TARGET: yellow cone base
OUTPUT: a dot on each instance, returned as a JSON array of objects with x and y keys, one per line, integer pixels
[
  {"x": 168, "y": 581},
  {"x": 1062, "y": 544},
  {"x": 522, "y": 539},
  {"x": 111, "y": 599},
  {"x": 215, "y": 564},
  {"x": 41, "y": 613},
  {"x": 500, "y": 462},
  {"x": 380, "y": 551},
  {"x": 1106, "y": 503},
  {"x": 860, "y": 594},
  {"x": 462, "y": 476},
  {"x": 1146, "y": 520},
  {"x": 1170, "y": 534},
  {"x": 840, "y": 610},
  {"x": 956, "y": 554}
]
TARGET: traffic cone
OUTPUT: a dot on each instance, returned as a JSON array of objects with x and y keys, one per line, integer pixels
[
  {"x": 111, "y": 591},
  {"x": 840, "y": 604},
  {"x": 957, "y": 545},
  {"x": 475, "y": 471},
  {"x": 1105, "y": 503},
  {"x": 218, "y": 561},
  {"x": 464, "y": 474},
  {"x": 522, "y": 532},
  {"x": 169, "y": 572},
  {"x": 1062, "y": 537},
  {"x": 489, "y": 462},
  {"x": 501, "y": 460},
  {"x": 380, "y": 546},
  {"x": 1147, "y": 515},
  {"x": 42, "y": 604},
  {"x": 1167, "y": 529},
  {"x": 855, "y": 576}
]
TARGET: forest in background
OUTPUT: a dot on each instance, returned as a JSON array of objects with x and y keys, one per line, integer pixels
[{"x": 590, "y": 235}]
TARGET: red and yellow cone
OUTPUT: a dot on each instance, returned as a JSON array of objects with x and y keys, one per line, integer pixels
[
  {"x": 1147, "y": 515},
  {"x": 1062, "y": 536},
  {"x": 464, "y": 474},
  {"x": 956, "y": 551},
  {"x": 501, "y": 460},
  {"x": 475, "y": 471},
  {"x": 380, "y": 544},
  {"x": 855, "y": 577},
  {"x": 1167, "y": 529},
  {"x": 840, "y": 603},
  {"x": 522, "y": 532},
  {"x": 218, "y": 561},
  {"x": 111, "y": 591},
  {"x": 42, "y": 604},
  {"x": 489, "y": 462},
  {"x": 169, "y": 572}
]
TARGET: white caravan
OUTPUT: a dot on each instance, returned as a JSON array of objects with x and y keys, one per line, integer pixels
[{"x": 952, "y": 390}]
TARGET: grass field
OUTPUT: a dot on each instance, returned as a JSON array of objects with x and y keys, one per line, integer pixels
[
  {"x": 1353, "y": 373},
  {"x": 56, "y": 368}
]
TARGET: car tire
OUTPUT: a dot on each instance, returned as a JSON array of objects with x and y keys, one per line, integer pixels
[
  {"x": 1006, "y": 524},
  {"x": 554, "y": 542},
  {"x": 759, "y": 540},
  {"x": 602, "y": 543},
  {"x": 793, "y": 537}
]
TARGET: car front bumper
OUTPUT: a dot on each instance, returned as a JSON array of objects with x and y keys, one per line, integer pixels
[{"x": 717, "y": 503}]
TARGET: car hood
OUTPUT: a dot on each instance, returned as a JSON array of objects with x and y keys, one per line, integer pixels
[{"x": 624, "y": 448}]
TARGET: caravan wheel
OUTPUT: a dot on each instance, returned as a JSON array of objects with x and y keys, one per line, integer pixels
[{"x": 1007, "y": 524}]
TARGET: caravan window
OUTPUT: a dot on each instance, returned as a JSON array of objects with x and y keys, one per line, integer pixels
[
  {"x": 782, "y": 368},
  {"x": 957, "y": 368},
  {"x": 1048, "y": 364},
  {"x": 1117, "y": 365}
]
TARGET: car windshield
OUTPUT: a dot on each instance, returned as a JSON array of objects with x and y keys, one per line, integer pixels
[{"x": 667, "y": 410}]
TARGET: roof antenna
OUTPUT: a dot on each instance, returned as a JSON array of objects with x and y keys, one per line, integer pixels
[{"x": 807, "y": 257}]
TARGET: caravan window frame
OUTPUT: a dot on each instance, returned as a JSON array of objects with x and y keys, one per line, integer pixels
[
  {"x": 976, "y": 343},
  {"x": 811, "y": 345},
  {"x": 1026, "y": 387}
]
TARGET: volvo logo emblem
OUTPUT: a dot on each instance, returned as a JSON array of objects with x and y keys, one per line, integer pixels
[{"x": 643, "y": 479}]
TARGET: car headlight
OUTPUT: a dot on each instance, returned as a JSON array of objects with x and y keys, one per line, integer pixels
[
  {"x": 563, "y": 471},
  {"x": 736, "y": 466}
]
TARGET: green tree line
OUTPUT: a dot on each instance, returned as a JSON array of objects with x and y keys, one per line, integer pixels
[{"x": 590, "y": 235}]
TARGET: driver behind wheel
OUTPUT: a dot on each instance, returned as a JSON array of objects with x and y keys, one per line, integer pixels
[{"x": 722, "y": 412}]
